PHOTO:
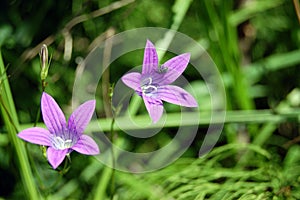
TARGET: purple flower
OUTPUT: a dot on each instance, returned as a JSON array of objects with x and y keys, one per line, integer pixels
[
  {"x": 153, "y": 84},
  {"x": 62, "y": 138}
]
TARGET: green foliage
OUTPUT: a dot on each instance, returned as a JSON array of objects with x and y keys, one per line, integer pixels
[
  {"x": 255, "y": 47},
  {"x": 218, "y": 175}
]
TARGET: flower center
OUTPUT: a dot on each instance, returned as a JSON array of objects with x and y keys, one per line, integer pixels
[
  {"x": 147, "y": 88},
  {"x": 60, "y": 143}
]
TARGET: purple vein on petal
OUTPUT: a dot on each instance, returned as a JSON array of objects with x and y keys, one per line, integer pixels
[
  {"x": 86, "y": 145},
  {"x": 176, "y": 95},
  {"x": 175, "y": 67},
  {"x": 55, "y": 157},
  {"x": 80, "y": 118},
  {"x": 36, "y": 135},
  {"x": 52, "y": 114},
  {"x": 150, "y": 62},
  {"x": 132, "y": 80},
  {"x": 154, "y": 107}
]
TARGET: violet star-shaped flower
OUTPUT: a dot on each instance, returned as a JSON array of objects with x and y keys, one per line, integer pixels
[
  {"x": 153, "y": 83},
  {"x": 61, "y": 137}
]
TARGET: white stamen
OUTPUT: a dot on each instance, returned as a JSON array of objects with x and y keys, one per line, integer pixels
[
  {"x": 60, "y": 143},
  {"x": 147, "y": 88}
]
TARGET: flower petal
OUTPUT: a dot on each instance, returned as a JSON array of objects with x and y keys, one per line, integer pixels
[
  {"x": 86, "y": 145},
  {"x": 174, "y": 68},
  {"x": 80, "y": 118},
  {"x": 52, "y": 115},
  {"x": 55, "y": 157},
  {"x": 36, "y": 135},
  {"x": 132, "y": 80},
  {"x": 150, "y": 62},
  {"x": 154, "y": 107},
  {"x": 176, "y": 95}
]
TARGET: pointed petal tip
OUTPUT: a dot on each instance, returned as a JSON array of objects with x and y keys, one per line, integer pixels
[
  {"x": 91, "y": 103},
  {"x": 86, "y": 145},
  {"x": 54, "y": 165},
  {"x": 132, "y": 80},
  {"x": 45, "y": 95},
  {"x": 81, "y": 117},
  {"x": 36, "y": 135},
  {"x": 193, "y": 104},
  {"x": 154, "y": 107},
  {"x": 149, "y": 44},
  {"x": 52, "y": 114},
  {"x": 177, "y": 95},
  {"x": 156, "y": 117},
  {"x": 186, "y": 56},
  {"x": 154, "y": 121},
  {"x": 56, "y": 157},
  {"x": 150, "y": 61}
]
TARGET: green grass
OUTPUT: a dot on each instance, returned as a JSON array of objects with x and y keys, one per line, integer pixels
[{"x": 255, "y": 49}]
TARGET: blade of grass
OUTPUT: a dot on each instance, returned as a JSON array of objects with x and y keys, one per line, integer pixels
[
  {"x": 228, "y": 44},
  {"x": 251, "y": 9},
  {"x": 180, "y": 9},
  {"x": 66, "y": 190},
  {"x": 255, "y": 71},
  {"x": 11, "y": 122},
  {"x": 263, "y": 135},
  {"x": 246, "y": 116},
  {"x": 103, "y": 184}
]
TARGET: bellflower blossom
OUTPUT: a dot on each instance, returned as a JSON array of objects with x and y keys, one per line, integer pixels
[
  {"x": 61, "y": 137},
  {"x": 153, "y": 83}
]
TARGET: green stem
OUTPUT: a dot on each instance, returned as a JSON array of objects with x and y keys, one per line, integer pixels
[
  {"x": 102, "y": 184},
  {"x": 112, "y": 182},
  {"x": 175, "y": 119},
  {"x": 248, "y": 117},
  {"x": 11, "y": 122},
  {"x": 108, "y": 173}
]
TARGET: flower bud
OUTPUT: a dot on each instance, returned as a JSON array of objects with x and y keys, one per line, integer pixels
[{"x": 44, "y": 62}]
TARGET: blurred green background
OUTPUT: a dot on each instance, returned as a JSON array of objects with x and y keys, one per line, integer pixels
[{"x": 255, "y": 45}]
